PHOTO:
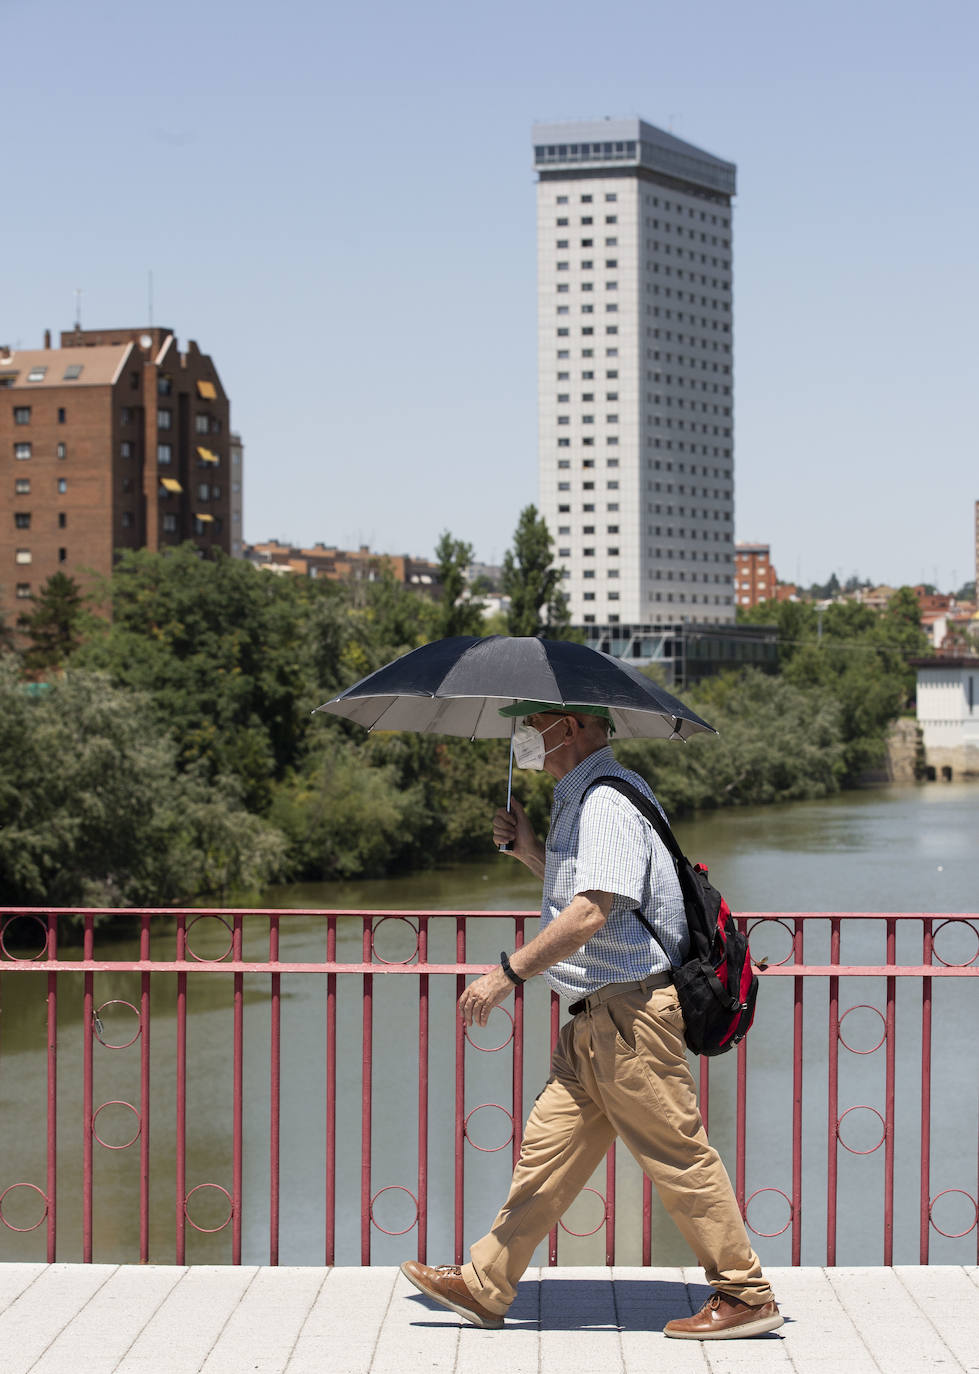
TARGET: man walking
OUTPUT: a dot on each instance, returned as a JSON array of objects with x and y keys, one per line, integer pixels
[{"x": 619, "y": 1068}]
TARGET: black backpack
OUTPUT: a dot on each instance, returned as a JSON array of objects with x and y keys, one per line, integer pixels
[{"x": 717, "y": 985}]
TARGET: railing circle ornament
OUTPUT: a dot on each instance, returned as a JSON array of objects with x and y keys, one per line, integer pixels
[
  {"x": 380, "y": 957},
  {"x": 209, "y": 1230},
  {"x": 99, "y": 1028},
  {"x": 959, "y": 1192},
  {"x": 394, "y": 1188},
  {"x": 488, "y": 1149},
  {"x": 956, "y": 925},
  {"x": 861, "y": 1107},
  {"x": 603, "y": 1219},
  {"x": 767, "y": 926},
  {"x": 34, "y": 1189},
  {"x": 105, "y": 1143},
  {"x": 492, "y": 1049},
  {"x": 862, "y": 1006},
  {"x": 19, "y": 958},
  {"x": 203, "y": 959},
  {"x": 768, "y": 1235}
]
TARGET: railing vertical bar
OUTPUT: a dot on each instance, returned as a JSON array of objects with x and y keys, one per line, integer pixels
[
  {"x": 610, "y": 1205},
  {"x": 890, "y": 1080},
  {"x": 88, "y": 1074},
  {"x": 331, "y": 1092},
  {"x": 366, "y": 1089},
  {"x": 275, "y": 1090},
  {"x": 181, "y": 1220},
  {"x": 52, "y": 1056},
  {"x": 519, "y": 925},
  {"x": 833, "y": 1106},
  {"x": 144, "y": 1092},
  {"x": 555, "y": 1032},
  {"x": 460, "y": 1100},
  {"x": 647, "y": 1220},
  {"x": 798, "y": 985},
  {"x": 237, "y": 1105},
  {"x": 423, "y": 1077},
  {"x": 924, "y": 1192}
]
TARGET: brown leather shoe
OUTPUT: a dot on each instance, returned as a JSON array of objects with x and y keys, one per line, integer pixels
[
  {"x": 447, "y": 1286},
  {"x": 723, "y": 1318}
]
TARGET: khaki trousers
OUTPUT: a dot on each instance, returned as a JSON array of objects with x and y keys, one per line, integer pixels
[{"x": 619, "y": 1069}]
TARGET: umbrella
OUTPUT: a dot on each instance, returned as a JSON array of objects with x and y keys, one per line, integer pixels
[{"x": 457, "y": 686}]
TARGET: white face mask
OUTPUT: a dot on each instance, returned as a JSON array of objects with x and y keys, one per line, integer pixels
[{"x": 528, "y": 746}]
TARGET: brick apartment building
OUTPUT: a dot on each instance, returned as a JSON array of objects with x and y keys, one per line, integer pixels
[
  {"x": 754, "y": 574},
  {"x": 346, "y": 565},
  {"x": 115, "y": 440}
]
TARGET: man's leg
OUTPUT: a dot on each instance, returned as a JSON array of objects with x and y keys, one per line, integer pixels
[
  {"x": 641, "y": 1077},
  {"x": 565, "y": 1140}
]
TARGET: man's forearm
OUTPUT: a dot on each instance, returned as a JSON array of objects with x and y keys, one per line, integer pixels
[{"x": 577, "y": 923}]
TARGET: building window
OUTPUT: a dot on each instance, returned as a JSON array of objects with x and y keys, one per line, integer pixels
[
  {"x": 611, "y": 195},
  {"x": 37, "y": 374},
  {"x": 22, "y": 415},
  {"x": 22, "y": 520},
  {"x": 62, "y": 416},
  {"x": 203, "y": 491},
  {"x": 125, "y": 416},
  {"x": 23, "y": 556},
  {"x": 62, "y": 555},
  {"x": 22, "y": 451},
  {"x": 127, "y": 520},
  {"x": 62, "y": 485},
  {"x": 170, "y": 524},
  {"x": 62, "y": 520},
  {"x": 164, "y": 454},
  {"x": 164, "y": 419},
  {"x": 23, "y": 591},
  {"x": 73, "y": 372},
  {"x": 62, "y": 450},
  {"x": 202, "y": 424},
  {"x": 164, "y": 385},
  {"x": 22, "y": 486},
  {"x": 125, "y": 449}
]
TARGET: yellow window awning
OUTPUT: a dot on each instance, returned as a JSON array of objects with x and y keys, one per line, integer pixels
[
  {"x": 206, "y": 391},
  {"x": 206, "y": 518},
  {"x": 206, "y": 456},
  {"x": 171, "y": 485}
]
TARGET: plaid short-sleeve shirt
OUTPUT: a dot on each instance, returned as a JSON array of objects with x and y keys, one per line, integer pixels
[{"x": 602, "y": 843}]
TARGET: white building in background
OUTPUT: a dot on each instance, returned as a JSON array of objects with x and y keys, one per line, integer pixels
[
  {"x": 948, "y": 713},
  {"x": 636, "y": 427}
]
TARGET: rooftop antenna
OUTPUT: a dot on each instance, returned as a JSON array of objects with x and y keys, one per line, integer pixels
[
  {"x": 78, "y": 307},
  {"x": 150, "y": 294}
]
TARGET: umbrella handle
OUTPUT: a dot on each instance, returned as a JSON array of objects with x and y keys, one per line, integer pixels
[{"x": 505, "y": 848}]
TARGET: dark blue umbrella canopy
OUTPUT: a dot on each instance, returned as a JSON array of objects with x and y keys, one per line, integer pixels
[{"x": 457, "y": 686}]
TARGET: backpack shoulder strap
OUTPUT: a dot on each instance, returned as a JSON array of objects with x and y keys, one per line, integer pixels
[{"x": 647, "y": 808}]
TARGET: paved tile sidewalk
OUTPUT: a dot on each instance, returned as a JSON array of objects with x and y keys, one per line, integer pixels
[{"x": 107, "y": 1319}]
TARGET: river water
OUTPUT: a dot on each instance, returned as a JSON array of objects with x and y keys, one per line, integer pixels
[{"x": 886, "y": 849}]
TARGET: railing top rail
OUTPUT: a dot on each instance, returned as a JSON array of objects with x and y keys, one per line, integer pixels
[{"x": 452, "y": 912}]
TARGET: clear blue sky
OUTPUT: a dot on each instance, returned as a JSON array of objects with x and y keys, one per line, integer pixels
[{"x": 337, "y": 203}]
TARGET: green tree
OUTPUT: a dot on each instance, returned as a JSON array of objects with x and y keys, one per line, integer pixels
[
  {"x": 56, "y": 625},
  {"x": 460, "y": 614},
  {"x": 530, "y": 581}
]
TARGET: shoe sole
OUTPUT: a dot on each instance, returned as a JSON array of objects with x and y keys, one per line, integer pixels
[
  {"x": 486, "y": 1324},
  {"x": 732, "y": 1333}
]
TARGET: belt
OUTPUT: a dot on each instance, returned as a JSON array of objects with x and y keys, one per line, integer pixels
[{"x": 610, "y": 990}]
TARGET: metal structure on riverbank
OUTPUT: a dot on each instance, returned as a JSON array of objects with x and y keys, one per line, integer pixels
[{"x": 174, "y": 952}]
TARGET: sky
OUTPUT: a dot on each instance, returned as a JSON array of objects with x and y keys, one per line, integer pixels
[{"x": 337, "y": 202}]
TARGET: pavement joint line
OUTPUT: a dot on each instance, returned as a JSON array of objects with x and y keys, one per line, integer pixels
[
  {"x": 918, "y": 1308},
  {"x": 305, "y": 1320},
  {"x": 26, "y": 1289},
  {"x": 384, "y": 1317},
  {"x": 112, "y": 1272},
  {"x": 224, "y": 1325},
  {"x": 125, "y": 1354},
  {"x": 846, "y": 1312}
]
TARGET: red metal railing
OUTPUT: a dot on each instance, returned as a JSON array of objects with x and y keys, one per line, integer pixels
[{"x": 774, "y": 1097}]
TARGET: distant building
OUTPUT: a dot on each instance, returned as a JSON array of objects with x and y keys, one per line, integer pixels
[
  {"x": 948, "y": 713},
  {"x": 115, "y": 440},
  {"x": 346, "y": 565},
  {"x": 236, "y": 450},
  {"x": 636, "y": 428},
  {"x": 754, "y": 574}
]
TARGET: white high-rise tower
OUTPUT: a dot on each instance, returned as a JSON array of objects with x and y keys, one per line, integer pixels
[{"x": 635, "y": 372}]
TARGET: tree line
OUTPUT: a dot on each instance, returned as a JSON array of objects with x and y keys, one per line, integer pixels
[{"x": 168, "y": 752}]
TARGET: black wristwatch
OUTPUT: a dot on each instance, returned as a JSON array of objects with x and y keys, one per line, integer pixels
[{"x": 513, "y": 976}]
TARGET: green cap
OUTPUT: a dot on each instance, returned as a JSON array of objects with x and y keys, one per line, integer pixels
[{"x": 533, "y": 708}]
